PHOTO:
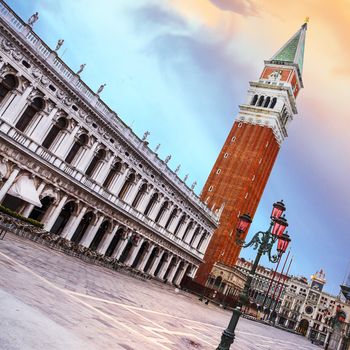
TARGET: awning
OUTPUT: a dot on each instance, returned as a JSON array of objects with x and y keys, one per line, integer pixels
[{"x": 24, "y": 188}]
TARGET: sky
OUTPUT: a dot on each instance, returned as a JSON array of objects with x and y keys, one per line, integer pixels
[{"x": 179, "y": 69}]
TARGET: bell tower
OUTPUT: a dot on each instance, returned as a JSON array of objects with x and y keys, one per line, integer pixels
[{"x": 241, "y": 171}]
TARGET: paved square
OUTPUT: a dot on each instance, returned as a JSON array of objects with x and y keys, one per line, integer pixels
[{"x": 52, "y": 301}]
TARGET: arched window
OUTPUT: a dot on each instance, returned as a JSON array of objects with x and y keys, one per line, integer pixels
[
  {"x": 194, "y": 236},
  {"x": 261, "y": 101},
  {"x": 161, "y": 212},
  {"x": 201, "y": 241},
  {"x": 141, "y": 192},
  {"x": 81, "y": 141},
  {"x": 36, "y": 106},
  {"x": 63, "y": 218},
  {"x": 61, "y": 124},
  {"x": 115, "y": 169},
  {"x": 127, "y": 185},
  {"x": 179, "y": 224},
  {"x": 188, "y": 229},
  {"x": 99, "y": 155},
  {"x": 255, "y": 98},
  {"x": 171, "y": 218},
  {"x": 273, "y": 102},
  {"x": 8, "y": 84},
  {"x": 267, "y": 101},
  {"x": 151, "y": 203}
]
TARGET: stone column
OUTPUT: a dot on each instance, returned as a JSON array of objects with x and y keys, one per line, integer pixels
[
  {"x": 183, "y": 228},
  {"x": 145, "y": 200},
  {"x": 107, "y": 240},
  {"x": 133, "y": 252},
  {"x": 181, "y": 274},
  {"x": 66, "y": 142},
  {"x": 89, "y": 236},
  {"x": 73, "y": 224},
  {"x": 29, "y": 207},
  {"x": 119, "y": 182},
  {"x": 155, "y": 210},
  {"x": 17, "y": 106},
  {"x": 173, "y": 271},
  {"x": 105, "y": 167},
  {"x": 146, "y": 257},
  {"x": 156, "y": 262},
  {"x": 8, "y": 183},
  {"x": 191, "y": 233},
  {"x": 165, "y": 267},
  {"x": 133, "y": 191},
  {"x": 53, "y": 217},
  {"x": 175, "y": 221},
  {"x": 120, "y": 247},
  {"x": 42, "y": 126},
  {"x": 86, "y": 157}
]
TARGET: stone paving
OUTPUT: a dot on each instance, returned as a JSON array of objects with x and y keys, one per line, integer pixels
[{"x": 52, "y": 301}]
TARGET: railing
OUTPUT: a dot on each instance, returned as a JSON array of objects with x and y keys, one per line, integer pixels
[
  {"x": 91, "y": 185},
  {"x": 72, "y": 79}
]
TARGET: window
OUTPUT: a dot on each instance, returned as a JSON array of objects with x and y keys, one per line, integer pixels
[
  {"x": 115, "y": 169},
  {"x": 218, "y": 171},
  {"x": 240, "y": 124},
  {"x": 171, "y": 218},
  {"x": 233, "y": 139},
  {"x": 210, "y": 188},
  {"x": 267, "y": 101},
  {"x": 141, "y": 192},
  {"x": 8, "y": 84},
  {"x": 127, "y": 185},
  {"x": 273, "y": 102},
  {"x": 267, "y": 144},
  {"x": 261, "y": 101},
  {"x": 179, "y": 224},
  {"x": 151, "y": 203},
  {"x": 99, "y": 156},
  {"x": 81, "y": 141},
  {"x": 36, "y": 106},
  {"x": 255, "y": 98},
  {"x": 225, "y": 155},
  {"x": 55, "y": 130},
  {"x": 161, "y": 212},
  {"x": 253, "y": 178}
]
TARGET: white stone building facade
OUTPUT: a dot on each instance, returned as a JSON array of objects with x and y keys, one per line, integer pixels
[{"x": 98, "y": 184}]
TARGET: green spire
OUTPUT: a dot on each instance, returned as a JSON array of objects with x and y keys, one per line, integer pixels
[{"x": 293, "y": 51}]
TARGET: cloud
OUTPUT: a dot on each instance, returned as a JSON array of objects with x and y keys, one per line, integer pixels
[{"x": 242, "y": 7}]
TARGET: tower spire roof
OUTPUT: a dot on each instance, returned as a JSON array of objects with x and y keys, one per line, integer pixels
[{"x": 292, "y": 52}]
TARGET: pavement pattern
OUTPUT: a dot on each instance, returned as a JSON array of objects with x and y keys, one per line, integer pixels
[{"x": 52, "y": 301}]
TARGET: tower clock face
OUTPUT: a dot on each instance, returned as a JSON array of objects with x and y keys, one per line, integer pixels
[{"x": 309, "y": 310}]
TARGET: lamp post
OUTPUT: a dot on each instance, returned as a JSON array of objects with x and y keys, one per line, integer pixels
[{"x": 263, "y": 242}]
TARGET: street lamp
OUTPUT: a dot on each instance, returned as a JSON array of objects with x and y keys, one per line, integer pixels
[{"x": 263, "y": 242}]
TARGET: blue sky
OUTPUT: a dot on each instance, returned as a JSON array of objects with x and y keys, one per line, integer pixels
[{"x": 180, "y": 72}]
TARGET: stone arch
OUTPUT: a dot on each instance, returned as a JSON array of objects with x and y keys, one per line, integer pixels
[
  {"x": 151, "y": 259},
  {"x": 303, "y": 326},
  {"x": 179, "y": 224},
  {"x": 63, "y": 217},
  {"x": 171, "y": 218},
  {"x": 267, "y": 101},
  {"x": 170, "y": 268},
  {"x": 115, "y": 240},
  {"x": 36, "y": 106},
  {"x": 161, "y": 263},
  {"x": 194, "y": 236},
  {"x": 7, "y": 84},
  {"x": 130, "y": 180},
  {"x": 140, "y": 194},
  {"x": 151, "y": 203},
  {"x": 80, "y": 141},
  {"x": 254, "y": 100},
  {"x": 38, "y": 213},
  {"x": 260, "y": 101},
  {"x": 125, "y": 254},
  {"x": 161, "y": 211},
  {"x": 273, "y": 102},
  {"x": 103, "y": 229},
  {"x": 188, "y": 229},
  {"x": 60, "y": 124},
  {"x": 113, "y": 172},
  {"x": 84, "y": 224},
  {"x": 98, "y": 157},
  {"x": 140, "y": 255},
  {"x": 178, "y": 271}
]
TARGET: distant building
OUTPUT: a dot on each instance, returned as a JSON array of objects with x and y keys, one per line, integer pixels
[{"x": 307, "y": 309}]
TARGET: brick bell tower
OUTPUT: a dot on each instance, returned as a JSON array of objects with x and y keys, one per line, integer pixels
[{"x": 240, "y": 173}]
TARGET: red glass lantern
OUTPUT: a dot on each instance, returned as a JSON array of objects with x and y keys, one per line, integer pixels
[
  {"x": 279, "y": 226},
  {"x": 244, "y": 221},
  {"x": 277, "y": 210},
  {"x": 283, "y": 243}
]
